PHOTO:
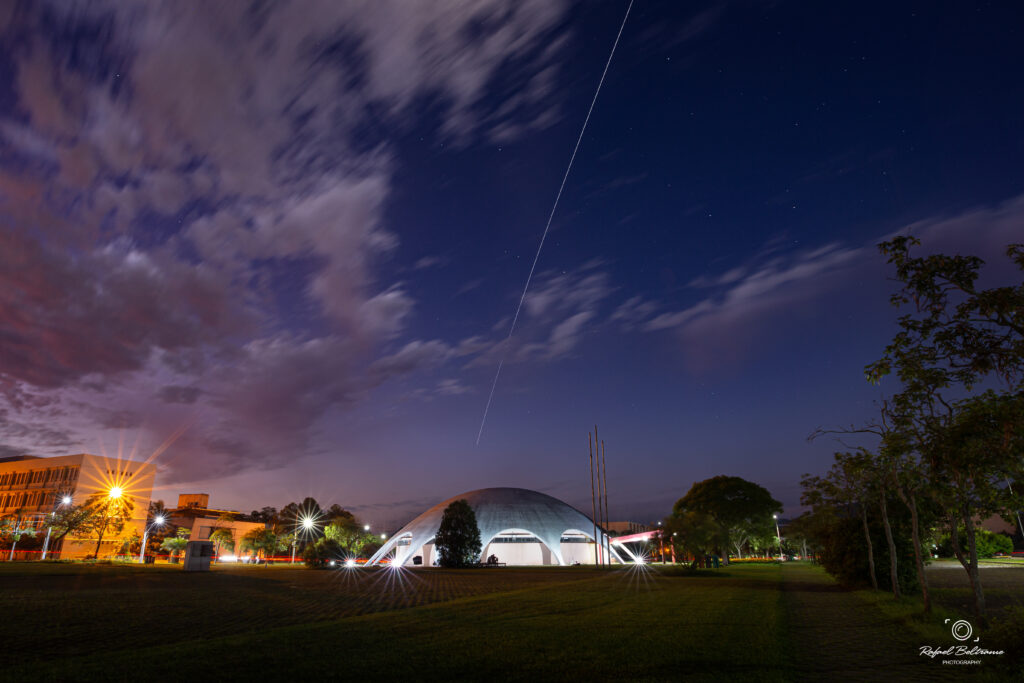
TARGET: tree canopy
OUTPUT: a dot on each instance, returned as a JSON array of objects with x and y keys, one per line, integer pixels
[
  {"x": 950, "y": 439},
  {"x": 458, "y": 537},
  {"x": 742, "y": 508}
]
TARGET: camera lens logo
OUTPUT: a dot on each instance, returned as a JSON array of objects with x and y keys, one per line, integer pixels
[{"x": 962, "y": 630}]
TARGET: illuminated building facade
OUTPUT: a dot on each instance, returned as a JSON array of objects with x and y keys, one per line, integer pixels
[
  {"x": 32, "y": 487},
  {"x": 517, "y": 527},
  {"x": 195, "y": 514}
]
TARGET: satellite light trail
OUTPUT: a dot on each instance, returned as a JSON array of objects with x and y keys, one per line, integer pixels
[{"x": 551, "y": 216}]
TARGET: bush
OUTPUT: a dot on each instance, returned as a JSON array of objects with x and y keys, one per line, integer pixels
[
  {"x": 1006, "y": 634},
  {"x": 319, "y": 555},
  {"x": 843, "y": 550},
  {"x": 987, "y": 542}
]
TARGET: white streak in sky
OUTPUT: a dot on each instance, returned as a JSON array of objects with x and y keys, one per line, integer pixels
[{"x": 550, "y": 217}]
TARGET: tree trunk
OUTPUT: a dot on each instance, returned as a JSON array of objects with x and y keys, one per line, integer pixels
[
  {"x": 871, "y": 550},
  {"x": 972, "y": 568},
  {"x": 954, "y": 539},
  {"x": 911, "y": 502},
  {"x": 103, "y": 530},
  {"x": 894, "y": 577}
]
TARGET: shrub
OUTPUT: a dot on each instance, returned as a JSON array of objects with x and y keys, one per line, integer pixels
[
  {"x": 987, "y": 542},
  {"x": 319, "y": 555}
]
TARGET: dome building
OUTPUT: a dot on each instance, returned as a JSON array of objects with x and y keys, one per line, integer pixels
[{"x": 518, "y": 526}]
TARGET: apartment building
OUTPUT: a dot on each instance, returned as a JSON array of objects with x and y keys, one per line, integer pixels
[{"x": 32, "y": 487}]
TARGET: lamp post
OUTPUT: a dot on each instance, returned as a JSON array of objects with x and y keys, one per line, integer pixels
[
  {"x": 157, "y": 521},
  {"x": 64, "y": 500},
  {"x": 306, "y": 524},
  {"x": 114, "y": 493},
  {"x": 777, "y": 534}
]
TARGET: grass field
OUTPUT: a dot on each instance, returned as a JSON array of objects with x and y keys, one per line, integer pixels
[{"x": 66, "y": 622}]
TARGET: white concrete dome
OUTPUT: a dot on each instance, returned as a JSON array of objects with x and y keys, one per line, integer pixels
[{"x": 559, "y": 533}]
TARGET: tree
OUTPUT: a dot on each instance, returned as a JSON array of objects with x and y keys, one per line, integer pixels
[
  {"x": 263, "y": 541},
  {"x": 130, "y": 545},
  {"x": 336, "y": 513},
  {"x": 12, "y": 528},
  {"x": 695, "y": 534},
  {"x": 319, "y": 555},
  {"x": 957, "y": 338},
  {"x": 70, "y": 519},
  {"x": 988, "y": 543},
  {"x": 176, "y": 544},
  {"x": 850, "y": 482},
  {"x": 350, "y": 536},
  {"x": 742, "y": 508},
  {"x": 223, "y": 538},
  {"x": 157, "y": 509},
  {"x": 265, "y": 515},
  {"x": 458, "y": 537},
  {"x": 109, "y": 513}
]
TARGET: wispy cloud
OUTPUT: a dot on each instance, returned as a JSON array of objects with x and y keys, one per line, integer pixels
[{"x": 172, "y": 170}]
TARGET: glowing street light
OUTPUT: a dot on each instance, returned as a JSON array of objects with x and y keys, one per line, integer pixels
[
  {"x": 157, "y": 521},
  {"x": 383, "y": 537},
  {"x": 115, "y": 492},
  {"x": 65, "y": 500},
  {"x": 366, "y": 527},
  {"x": 307, "y": 523}
]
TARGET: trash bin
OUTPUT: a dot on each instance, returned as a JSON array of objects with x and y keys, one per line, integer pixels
[
  {"x": 150, "y": 559},
  {"x": 198, "y": 555}
]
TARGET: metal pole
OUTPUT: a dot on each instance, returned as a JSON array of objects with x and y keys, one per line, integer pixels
[
  {"x": 593, "y": 503},
  {"x": 46, "y": 542},
  {"x": 604, "y": 469},
  {"x": 142, "y": 550},
  {"x": 778, "y": 535},
  {"x": 14, "y": 538},
  {"x": 600, "y": 510}
]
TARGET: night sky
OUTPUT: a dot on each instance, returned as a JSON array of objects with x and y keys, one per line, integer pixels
[{"x": 296, "y": 235}]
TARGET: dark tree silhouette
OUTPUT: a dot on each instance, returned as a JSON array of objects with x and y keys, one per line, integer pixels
[{"x": 458, "y": 538}]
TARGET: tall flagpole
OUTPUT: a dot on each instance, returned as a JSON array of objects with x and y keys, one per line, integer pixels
[
  {"x": 604, "y": 469},
  {"x": 593, "y": 504},
  {"x": 600, "y": 509}
]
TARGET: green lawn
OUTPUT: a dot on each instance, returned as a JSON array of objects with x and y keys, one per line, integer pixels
[{"x": 753, "y": 622}]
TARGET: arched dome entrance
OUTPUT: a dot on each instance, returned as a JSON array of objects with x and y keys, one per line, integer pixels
[{"x": 518, "y": 526}]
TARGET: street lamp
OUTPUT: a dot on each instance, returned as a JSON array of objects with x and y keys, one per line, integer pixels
[
  {"x": 64, "y": 500},
  {"x": 366, "y": 527},
  {"x": 157, "y": 521},
  {"x": 307, "y": 524},
  {"x": 777, "y": 534}
]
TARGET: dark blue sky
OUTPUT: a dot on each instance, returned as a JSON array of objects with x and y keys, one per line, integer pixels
[{"x": 300, "y": 234}]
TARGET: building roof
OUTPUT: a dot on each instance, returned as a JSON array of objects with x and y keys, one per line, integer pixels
[
  {"x": 498, "y": 510},
  {"x": 16, "y": 458}
]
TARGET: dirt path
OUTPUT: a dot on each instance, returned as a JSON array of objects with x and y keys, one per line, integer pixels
[{"x": 837, "y": 636}]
